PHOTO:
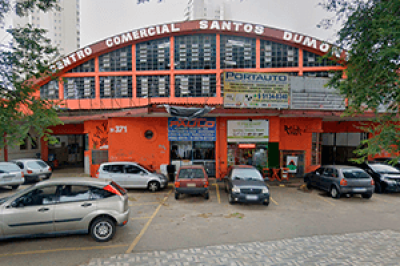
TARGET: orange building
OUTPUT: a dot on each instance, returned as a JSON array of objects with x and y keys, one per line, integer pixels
[{"x": 266, "y": 87}]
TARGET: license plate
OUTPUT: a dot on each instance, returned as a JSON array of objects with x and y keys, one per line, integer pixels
[
  {"x": 191, "y": 185},
  {"x": 252, "y": 197},
  {"x": 42, "y": 176},
  {"x": 359, "y": 190}
]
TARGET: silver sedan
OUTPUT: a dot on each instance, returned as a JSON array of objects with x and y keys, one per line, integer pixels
[{"x": 65, "y": 205}]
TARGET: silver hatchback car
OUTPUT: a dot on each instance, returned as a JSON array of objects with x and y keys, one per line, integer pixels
[
  {"x": 132, "y": 175},
  {"x": 65, "y": 205},
  {"x": 34, "y": 169},
  {"x": 11, "y": 175},
  {"x": 341, "y": 180}
]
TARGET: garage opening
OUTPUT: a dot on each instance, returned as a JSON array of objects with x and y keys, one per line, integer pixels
[
  {"x": 68, "y": 152},
  {"x": 338, "y": 148}
]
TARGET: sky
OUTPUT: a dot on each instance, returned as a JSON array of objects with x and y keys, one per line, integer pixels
[{"x": 104, "y": 18}]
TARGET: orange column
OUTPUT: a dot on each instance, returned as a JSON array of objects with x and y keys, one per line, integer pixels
[
  {"x": 5, "y": 148},
  {"x": 44, "y": 150},
  {"x": 258, "y": 52},
  {"x": 172, "y": 67},
  {"x": 218, "y": 68},
  {"x": 134, "y": 72},
  {"x": 300, "y": 62}
]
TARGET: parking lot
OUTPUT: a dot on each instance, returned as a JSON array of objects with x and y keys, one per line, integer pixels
[{"x": 159, "y": 222}]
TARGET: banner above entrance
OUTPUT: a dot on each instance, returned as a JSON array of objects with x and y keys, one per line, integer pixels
[
  {"x": 248, "y": 131},
  {"x": 256, "y": 90},
  {"x": 198, "y": 129}
]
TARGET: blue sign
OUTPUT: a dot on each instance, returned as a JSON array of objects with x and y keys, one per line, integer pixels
[{"x": 199, "y": 129}]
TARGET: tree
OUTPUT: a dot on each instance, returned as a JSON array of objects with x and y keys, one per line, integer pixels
[
  {"x": 371, "y": 34},
  {"x": 22, "y": 62}
]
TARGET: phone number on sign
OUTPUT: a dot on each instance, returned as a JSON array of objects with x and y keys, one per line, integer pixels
[{"x": 276, "y": 96}]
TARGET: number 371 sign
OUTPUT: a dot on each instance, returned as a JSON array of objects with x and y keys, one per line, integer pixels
[{"x": 119, "y": 129}]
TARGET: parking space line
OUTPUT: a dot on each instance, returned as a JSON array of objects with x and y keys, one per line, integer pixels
[
  {"x": 144, "y": 203},
  {"x": 144, "y": 229},
  {"x": 217, "y": 189},
  {"x": 138, "y": 218},
  {"x": 34, "y": 252},
  {"x": 276, "y": 203},
  {"x": 326, "y": 200}
]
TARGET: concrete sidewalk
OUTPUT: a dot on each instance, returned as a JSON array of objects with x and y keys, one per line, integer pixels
[{"x": 367, "y": 248}]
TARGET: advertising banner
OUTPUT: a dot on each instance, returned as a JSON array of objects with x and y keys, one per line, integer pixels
[
  {"x": 199, "y": 129},
  {"x": 291, "y": 163},
  {"x": 256, "y": 90},
  {"x": 248, "y": 131}
]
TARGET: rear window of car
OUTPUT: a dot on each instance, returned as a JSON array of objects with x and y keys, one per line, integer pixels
[
  {"x": 118, "y": 187},
  {"x": 352, "y": 174},
  {"x": 7, "y": 168},
  {"x": 36, "y": 164},
  {"x": 191, "y": 173}
]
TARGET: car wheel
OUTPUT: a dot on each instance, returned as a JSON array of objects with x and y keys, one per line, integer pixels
[
  {"x": 102, "y": 229},
  {"x": 176, "y": 195},
  {"x": 230, "y": 199},
  {"x": 15, "y": 187},
  {"x": 309, "y": 186},
  {"x": 226, "y": 187},
  {"x": 206, "y": 196},
  {"x": 335, "y": 193},
  {"x": 154, "y": 186},
  {"x": 367, "y": 196},
  {"x": 266, "y": 203},
  {"x": 378, "y": 188}
]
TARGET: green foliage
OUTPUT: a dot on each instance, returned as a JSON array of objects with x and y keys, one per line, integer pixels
[
  {"x": 22, "y": 62},
  {"x": 371, "y": 35}
]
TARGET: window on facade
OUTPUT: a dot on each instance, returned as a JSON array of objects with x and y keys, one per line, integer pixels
[
  {"x": 274, "y": 55},
  {"x": 88, "y": 66},
  {"x": 195, "y": 85},
  {"x": 153, "y": 55},
  {"x": 116, "y": 87},
  {"x": 195, "y": 52},
  {"x": 311, "y": 60},
  {"x": 320, "y": 74},
  {"x": 316, "y": 149},
  {"x": 118, "y": 60},
  {"x": 24, "y": 146},
  {"x": 238, "y": 52},
  {"x": 79, "y": 88},
  {"x": 152, "y": 86},
  {"x": 49, "y": 90}
]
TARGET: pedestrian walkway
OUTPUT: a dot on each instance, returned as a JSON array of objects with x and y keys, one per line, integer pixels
[{"x": 367, "y": 248}]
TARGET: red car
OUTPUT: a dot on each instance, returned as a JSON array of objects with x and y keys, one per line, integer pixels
[{"x": 191, "y": 179}]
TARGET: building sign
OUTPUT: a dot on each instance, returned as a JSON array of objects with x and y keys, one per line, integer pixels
[
  {"x": 256, "y": 90},
  {"x": 199, "y": 129},
  {"x": 248, "y": 131},
  {"x": 291, "y": 163},
  {"x": 214, "y": 26}
]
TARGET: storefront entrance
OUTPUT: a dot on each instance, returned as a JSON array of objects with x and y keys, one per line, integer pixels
[
  {"x": 255, "y": 154},
  {"x": 192, "y": 142},
  {"x": 194, "y": 153}
]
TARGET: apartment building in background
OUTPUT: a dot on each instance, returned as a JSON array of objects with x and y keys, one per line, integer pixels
[
  {"x": 207, "y": 9},
  {"x": 63, "y": 26}
]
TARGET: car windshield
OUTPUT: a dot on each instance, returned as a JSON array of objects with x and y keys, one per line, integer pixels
[
  {"x": 191, "y": 173},
  {"x": 355, "y": 173},
  {"x": 7, "y": 168},
  {"x": 247, "y": 174},
  {"x": 384, "y": 169},
  {"x": 36, "y": 164}
]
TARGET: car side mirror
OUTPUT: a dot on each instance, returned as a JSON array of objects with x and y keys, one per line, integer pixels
[{"x": 17, "y": 204}]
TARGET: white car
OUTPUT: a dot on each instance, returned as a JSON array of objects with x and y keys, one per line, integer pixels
[
  {"x": 132, "y": 175},
  {"x": 11, "y": 175},
  {"x": 34, "y": 169}
]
